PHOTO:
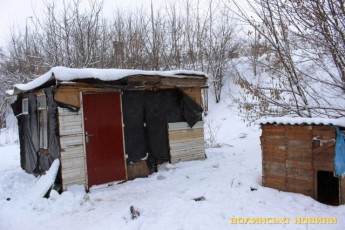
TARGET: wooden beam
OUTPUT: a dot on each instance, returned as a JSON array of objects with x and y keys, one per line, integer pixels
[{"x": 324, "y": 147}]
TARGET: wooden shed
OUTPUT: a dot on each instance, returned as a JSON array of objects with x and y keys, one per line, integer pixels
[
  {"x": 298, "y": 156},
  {"x": 109, "y": 125}
]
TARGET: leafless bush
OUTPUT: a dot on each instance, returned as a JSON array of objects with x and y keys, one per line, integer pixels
[
  {"x": 302, "y": 67},
  {"x": 211, "y": 133}
]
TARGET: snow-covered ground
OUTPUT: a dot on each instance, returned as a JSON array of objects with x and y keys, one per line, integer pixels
[{"x": 229, "y": 179}]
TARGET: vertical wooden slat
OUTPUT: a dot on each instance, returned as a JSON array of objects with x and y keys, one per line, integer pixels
[
  {"x": 342, "y": 190},
  {"x": 273, "y": 145},
  {"x": 73, "y": 169}
]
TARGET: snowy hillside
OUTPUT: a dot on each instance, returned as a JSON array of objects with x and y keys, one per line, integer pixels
[{"x": 229, "y": 180}]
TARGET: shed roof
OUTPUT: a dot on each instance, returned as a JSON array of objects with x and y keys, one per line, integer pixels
[
  {"x": 69, "y": 74},
  {"x": 301, "y": 121}
]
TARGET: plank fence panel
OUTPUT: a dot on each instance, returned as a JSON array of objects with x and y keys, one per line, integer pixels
[
  {"x": 186, "y": 143},
  {"x": 72, "y": 148}
]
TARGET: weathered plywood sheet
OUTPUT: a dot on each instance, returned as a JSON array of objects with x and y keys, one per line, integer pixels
[
  {"x": 194, "y": 93},
  {"x": 73, "y": 163},
  {"x": 186, "y": 143},
  {"x": 68, "y": 95}
]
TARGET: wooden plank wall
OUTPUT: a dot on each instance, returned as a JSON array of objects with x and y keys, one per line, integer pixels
[
  {"x": 73, "y": 163},
  {"x": 299, "y": 158},
  {"x": 342, "y": 190},
  {"x": 324, "y": 160},
  {"x": 291, "y": 157},
  {"x": 186, "y": 143},
  {"x": 273, "y": 157}
]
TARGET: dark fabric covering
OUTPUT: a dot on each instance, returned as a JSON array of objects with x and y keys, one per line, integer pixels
[
  {"x": 191, "y": 111},
  {"x": 17, "y": 106},
  {"x": 161, "y": 107},
  {"x": 156, "y": 109},
  {"x": 133, "y": 109},
  {"x": 31, "y": 159},
  {"x": 28, "y": 136}
]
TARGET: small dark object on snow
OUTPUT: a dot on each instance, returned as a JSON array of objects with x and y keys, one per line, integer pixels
[
  {"x": 200, "y": 198},
  {"x": 8, "y": 199},
  {"x": 135, "y": 213},
  {"x": 253, "y": 189}
]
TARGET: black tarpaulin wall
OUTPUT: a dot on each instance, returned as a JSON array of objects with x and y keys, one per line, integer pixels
[
  {"x": 155, "y": 109},
  {"x": 31, "y": 160},
  {"x": 28, "y": 136}
]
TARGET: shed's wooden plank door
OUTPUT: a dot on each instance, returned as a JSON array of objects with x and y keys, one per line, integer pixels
[{"x": 103, "y": 138}]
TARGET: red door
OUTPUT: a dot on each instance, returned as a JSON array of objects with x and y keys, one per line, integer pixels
[{"x": 103, "y": 138}]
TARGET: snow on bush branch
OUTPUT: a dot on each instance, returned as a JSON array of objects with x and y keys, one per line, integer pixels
[{"x": 301, "y": 71}]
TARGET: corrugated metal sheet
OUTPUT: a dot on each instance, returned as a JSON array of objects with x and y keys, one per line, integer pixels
[
  {"x": 301, "y": 121},
  {"x": 186, "y": 143},
  {"x": 73, "y": 162}
]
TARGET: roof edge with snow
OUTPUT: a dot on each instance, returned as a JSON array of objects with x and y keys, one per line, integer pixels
[
  {"x": 301, "y": 121},
  {"x": 69, "y": 74}
]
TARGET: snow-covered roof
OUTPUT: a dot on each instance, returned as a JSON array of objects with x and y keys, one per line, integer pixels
[
  {"x": 301, "y": 121},
  {"x": 69, "y": 74}
]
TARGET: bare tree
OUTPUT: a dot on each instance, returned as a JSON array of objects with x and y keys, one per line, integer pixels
[
  {"x": 223, "y": 45},
  {"x": 322, "y": 23},
  {"x": 188, "y": 36},
  {"x": 291, "y": 81}
]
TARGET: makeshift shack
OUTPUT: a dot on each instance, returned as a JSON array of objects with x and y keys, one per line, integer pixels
[
  {"x": 109, "y": 125},
  {"x": 298, "y": 155}
]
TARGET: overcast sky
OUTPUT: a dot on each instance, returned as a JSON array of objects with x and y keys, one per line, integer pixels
[{"x": 17, "y": 12}]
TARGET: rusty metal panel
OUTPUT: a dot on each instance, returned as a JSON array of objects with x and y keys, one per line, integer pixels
[
  {"x": 72, "y": 148},
  {"x": 186, "y": 143}
]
